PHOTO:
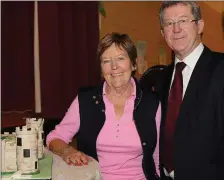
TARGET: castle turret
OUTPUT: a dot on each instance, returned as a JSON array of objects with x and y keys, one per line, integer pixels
[
  {"x": 8, "y": 153},
  {"x": 37, "y": 123},
  {"x": 26, "y": 150}
]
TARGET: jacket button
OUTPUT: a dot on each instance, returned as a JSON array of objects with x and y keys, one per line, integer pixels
[
  {"x": 144, "y": 143},
  {"x": 156, "y": 175},
  {"x": 103, "y": 110}
]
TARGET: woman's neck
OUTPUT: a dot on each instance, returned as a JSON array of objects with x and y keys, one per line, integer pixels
[{"x": 124, "y": 91}]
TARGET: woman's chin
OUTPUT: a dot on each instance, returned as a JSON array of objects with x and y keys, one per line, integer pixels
[{"x": 119, "y": 84}]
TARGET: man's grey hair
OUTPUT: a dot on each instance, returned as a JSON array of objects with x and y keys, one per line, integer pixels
[{"x": 195, "y": 9}]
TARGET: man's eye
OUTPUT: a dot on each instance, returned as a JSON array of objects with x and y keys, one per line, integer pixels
[
  {"x": 182, "y": 21},
  {"x": 168, "y": 23},
  {"x": 120, "y": 58}
]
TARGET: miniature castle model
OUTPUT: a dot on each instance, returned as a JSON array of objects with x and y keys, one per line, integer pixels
[
  {"x": 38, "y": 125},
  {"x": 22, "y": 149},
  {"x": 8, "y": 145}
]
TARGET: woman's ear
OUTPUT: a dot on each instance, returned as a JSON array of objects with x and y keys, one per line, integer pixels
[
  {"x": 134, "y": 67},
  {"x": 102, "y": 76}
]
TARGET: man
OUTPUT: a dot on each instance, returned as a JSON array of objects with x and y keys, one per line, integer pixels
[{"x": 192, "y": 127}]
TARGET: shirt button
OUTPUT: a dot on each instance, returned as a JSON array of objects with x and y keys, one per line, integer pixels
[{"x": 144, "y": 143}]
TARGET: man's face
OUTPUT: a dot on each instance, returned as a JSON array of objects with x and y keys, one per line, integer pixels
[{"x": 184, "y": 35}]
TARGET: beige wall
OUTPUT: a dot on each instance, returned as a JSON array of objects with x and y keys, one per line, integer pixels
[
  {"x": 213, "y": 32},
  {"x": 140, "y": 20}
]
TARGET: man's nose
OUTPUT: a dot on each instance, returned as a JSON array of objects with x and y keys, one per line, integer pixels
[{"x": 176, "y": 27}]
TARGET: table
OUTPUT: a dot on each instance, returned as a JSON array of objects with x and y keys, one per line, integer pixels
[
  {"x": 54, "y": 168},
  {"x": 45, "y": 167},
  {"x": 63, "y": 171}
]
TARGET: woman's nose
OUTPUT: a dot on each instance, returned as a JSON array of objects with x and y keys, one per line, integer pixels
[{"x": 114, "y": 64}]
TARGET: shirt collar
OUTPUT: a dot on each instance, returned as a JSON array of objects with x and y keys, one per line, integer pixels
[
  {"x": 133, "y": 89},
  {"x": 193, "y": 57}
]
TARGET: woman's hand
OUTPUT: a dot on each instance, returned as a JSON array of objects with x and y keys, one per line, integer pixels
[{"x": 75, "y": 157}]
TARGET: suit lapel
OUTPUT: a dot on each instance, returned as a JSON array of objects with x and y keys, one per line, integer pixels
[
  {"x": 195, "y": 90},
  {"x": 196, "y": 83}
]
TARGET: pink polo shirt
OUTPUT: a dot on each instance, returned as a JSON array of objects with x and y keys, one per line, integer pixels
[{"x": 118, "y": 144}]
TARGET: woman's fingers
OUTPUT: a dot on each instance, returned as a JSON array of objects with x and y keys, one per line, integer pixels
[
  {"x": 89, "y": 159},
  {"x": 84, "y": 159},
  {"x": 66, "y": 159},
  {"x": 78, "y": 158}
]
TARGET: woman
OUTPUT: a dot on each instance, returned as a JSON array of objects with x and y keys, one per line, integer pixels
[{"x": 114, "y": 123}]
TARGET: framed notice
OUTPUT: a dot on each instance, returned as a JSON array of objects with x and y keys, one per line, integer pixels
[{"x": 141, "y": 53}]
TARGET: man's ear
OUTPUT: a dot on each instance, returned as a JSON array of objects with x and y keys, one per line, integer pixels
[
  {"x": 200, "y": 26},
  {"x": 162, "y": 32}
]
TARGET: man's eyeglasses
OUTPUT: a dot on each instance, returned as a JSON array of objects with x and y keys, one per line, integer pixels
[{"x": 181, "y": 22}]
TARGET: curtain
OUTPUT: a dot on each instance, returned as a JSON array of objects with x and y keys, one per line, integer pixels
[
  {"x": 68, "y": 38},
  {"x": 17, "y": 56}
]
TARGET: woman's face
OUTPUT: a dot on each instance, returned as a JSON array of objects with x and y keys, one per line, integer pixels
[{"x": 116, "y": 67}]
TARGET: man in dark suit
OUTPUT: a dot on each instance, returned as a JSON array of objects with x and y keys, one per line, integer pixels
[{"x": 192, "y": 127}]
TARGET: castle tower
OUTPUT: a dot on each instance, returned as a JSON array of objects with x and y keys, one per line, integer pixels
[
  {"x": 40, "y": 144},
  {"x": 26, "y": 150},
  {"x": 37, "y": 123},
  {"x": 8, "y": 153}
]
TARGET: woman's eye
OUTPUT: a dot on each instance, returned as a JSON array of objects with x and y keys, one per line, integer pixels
[
  {"x": 106, "y": 61},
  {"x": 120, "y": 58}
]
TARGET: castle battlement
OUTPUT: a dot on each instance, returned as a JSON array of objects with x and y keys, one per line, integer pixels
[
  {"x": 8, "y": 134},
  {"x": 25, "y": 130},
  {"x": 35, "y": 123}
]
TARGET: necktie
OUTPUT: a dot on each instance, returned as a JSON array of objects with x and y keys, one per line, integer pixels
[{"x": 174, "y": 102}]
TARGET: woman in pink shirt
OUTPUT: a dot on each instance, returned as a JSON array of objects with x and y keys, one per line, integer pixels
[{"x": 115, "y": 123}]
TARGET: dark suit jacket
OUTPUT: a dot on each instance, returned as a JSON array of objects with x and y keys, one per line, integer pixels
[{"x": 199, "y": 134}]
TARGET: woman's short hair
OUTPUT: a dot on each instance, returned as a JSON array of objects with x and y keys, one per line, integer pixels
[{"x": 123, "y": 41}]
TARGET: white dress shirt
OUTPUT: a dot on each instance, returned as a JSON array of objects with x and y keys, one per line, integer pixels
[{"x": 190, "y": 62}]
